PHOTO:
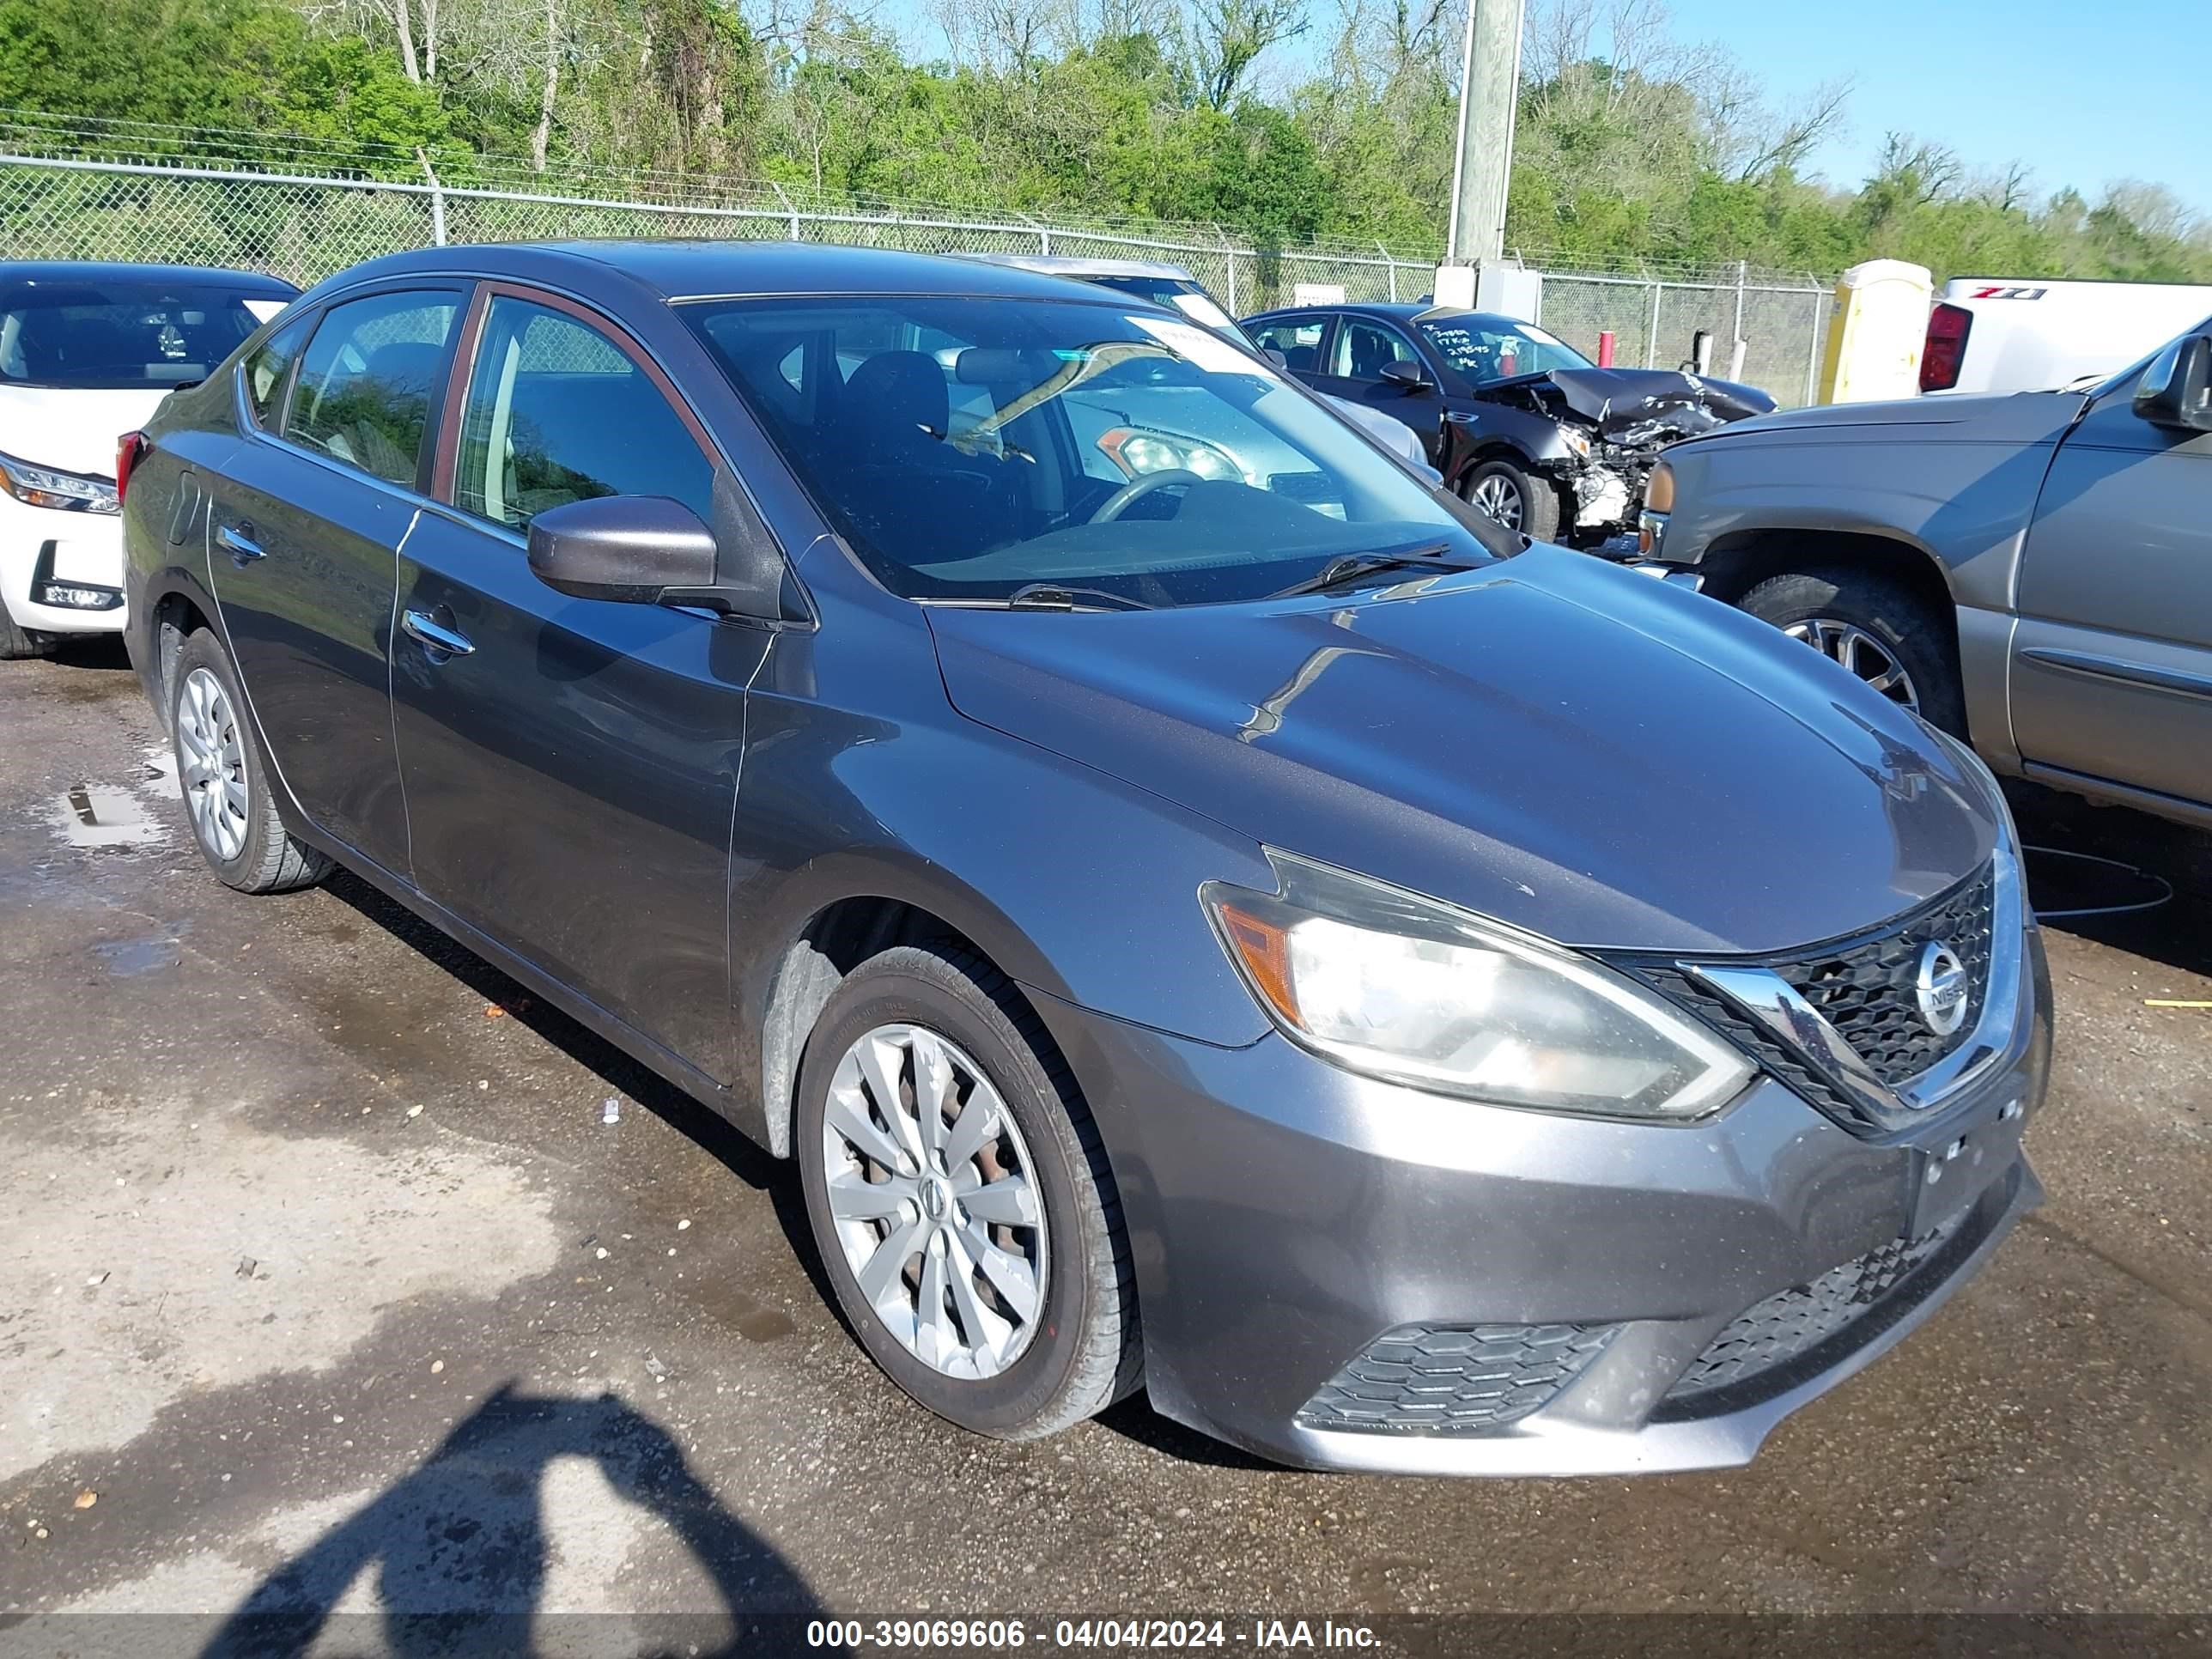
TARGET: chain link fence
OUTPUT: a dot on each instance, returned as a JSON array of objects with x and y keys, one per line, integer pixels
[{"x": 304, "y": 226}]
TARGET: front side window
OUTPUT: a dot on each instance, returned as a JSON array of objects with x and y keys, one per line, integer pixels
[
  {"x": 1363, "y": 350},
  {"x": 556, "y": 412},
  {"x": 968, "y": 447},
  {"x": 365, "y": 386},
  {"x": 265, "y": 370},
  {"x": 120, "y": 333},
  {"x": 1485, "y": 349}
]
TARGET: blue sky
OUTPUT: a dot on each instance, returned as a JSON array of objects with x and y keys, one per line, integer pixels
[{"x": 2083, "y": 93}]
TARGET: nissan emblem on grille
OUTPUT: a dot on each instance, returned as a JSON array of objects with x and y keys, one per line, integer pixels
[{"x": 1941, "y": 988}]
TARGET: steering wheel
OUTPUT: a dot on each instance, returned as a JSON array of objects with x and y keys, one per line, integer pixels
[{"x": 1137, "y": 488}]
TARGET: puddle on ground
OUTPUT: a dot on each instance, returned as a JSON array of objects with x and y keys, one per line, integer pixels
[
  {"x": 752, "y": 1319},
  {"x": 98, "y": 815},
  {"x": 144, "y": 956},
  {"x": 95, "y": 816}
]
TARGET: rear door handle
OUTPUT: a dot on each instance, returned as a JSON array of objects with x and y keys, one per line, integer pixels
[
  {"x": 426, "y": 631},
  {"x": 237, "y": 540}
]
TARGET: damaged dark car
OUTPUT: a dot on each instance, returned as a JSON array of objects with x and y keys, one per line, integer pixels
[{"x": 1517, "y": 421}]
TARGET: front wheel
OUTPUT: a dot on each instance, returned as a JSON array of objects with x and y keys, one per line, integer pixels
[
  {"x": 16, "y": 643},
  {"x": 960, "y": 1198},
  {"x": 1514, "y": 499},
  {"x": 1873, "y": 628}
]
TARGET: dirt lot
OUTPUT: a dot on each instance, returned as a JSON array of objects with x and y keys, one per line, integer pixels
[{"x": 322, "y": 1283}]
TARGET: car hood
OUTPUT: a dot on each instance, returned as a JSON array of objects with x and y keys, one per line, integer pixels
[
  {"x": 1995, "y": 417},
  {"x": 1640, "y": 408},
  {"x": 1551, "y": 741},
  {"x": 74, "y": 430}
]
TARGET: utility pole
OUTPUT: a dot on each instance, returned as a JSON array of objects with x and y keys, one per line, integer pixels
[{"x": 1482, "y": 161}]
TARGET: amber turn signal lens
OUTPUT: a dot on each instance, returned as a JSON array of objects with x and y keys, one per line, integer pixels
[
  {"x": 1659, "y": 492},
  {"x": 1263, "y": 947}
]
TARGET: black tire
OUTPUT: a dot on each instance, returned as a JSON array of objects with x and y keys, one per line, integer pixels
[
  {"x": 1084, "y": 1352},
  {"x": 1918, "y": 640},
  {"x": 1540, "y": 503},
  {"x": 269, "y": 859},
  {"x": 17, "y": 643}
]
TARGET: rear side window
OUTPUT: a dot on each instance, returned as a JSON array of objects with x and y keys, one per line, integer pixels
[
  {"x": 1297, "y": 338},
  {"x": 266, "y": 368},
  {"x": 556, "y": 412},
  {"x": 365, "y": 384}
]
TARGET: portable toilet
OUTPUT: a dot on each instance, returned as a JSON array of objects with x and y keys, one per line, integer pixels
[{"x": 1876, "y": 326}]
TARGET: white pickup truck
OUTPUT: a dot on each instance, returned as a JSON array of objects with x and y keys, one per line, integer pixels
[{"x": 1997, "y": 334}]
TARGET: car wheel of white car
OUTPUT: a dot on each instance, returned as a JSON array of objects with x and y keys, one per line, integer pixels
[
  {"x": 224, "y": 783},
  {"x": 1873, "y": 628},
  {"x": 960, "y": 1198},
  {"x": 16, "y": 643},
  {"x": 1507, "y": 494}
]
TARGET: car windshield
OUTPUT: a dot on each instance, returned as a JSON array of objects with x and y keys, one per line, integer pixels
[
  {"x": 970, "y": 446},
  {"x": 1485, "y": 349},
  {"x": 121, "y": 333},
  {"x": 1180, "y": 294}
]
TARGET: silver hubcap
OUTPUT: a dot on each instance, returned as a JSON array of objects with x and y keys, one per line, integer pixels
[
  {"x": 211, "y": 765},
  {"x": 933, "y": 1197},
  {"x": 1497, "y": 496},
  {"x": 1860, "y": 653}
]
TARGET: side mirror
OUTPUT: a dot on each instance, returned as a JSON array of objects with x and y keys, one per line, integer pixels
[
  {"x": 628, "y": 549},
  {"x": 2176, "y": 390},
  {"x": 1281, "y": 359},
  {"x": 1410, "y": 375}
]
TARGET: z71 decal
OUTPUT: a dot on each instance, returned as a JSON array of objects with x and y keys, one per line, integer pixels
[{"x": 2009, "y": 294}]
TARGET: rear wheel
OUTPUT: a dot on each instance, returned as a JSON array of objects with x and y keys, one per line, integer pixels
[
  {"x": 1514, "y": 499},
  {"x": 225, "y": 785},
  {"x": 961, "y": 1201},
  {"x": 1875, "y": 629}
]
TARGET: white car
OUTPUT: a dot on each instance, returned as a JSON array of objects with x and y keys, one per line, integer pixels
[
  {"x": 87, "y": 354},
  {"x": 1177, "y": 290}
]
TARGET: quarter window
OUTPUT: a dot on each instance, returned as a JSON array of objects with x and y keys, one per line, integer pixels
[
  {"x": 1363, "y": 349},
  {"x": 366, "y": 383},
  {"x": 556, "y": 412},
  {"x": 266, "y": 368}
]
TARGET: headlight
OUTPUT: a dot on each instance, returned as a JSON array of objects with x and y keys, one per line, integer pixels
[
  {"x": 1386, "y": 983},
  {"x": 1578, "y": 442},
  {"x": 41, "y": 486},
  {"x": 1137, "y": 452}
]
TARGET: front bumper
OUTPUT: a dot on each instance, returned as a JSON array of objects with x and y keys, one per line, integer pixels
[
  {"x": 61, "y": 572},
  {"x": 1292, "y": 1223}
]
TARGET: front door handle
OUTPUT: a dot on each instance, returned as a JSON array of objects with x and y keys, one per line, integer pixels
[
  {"x": 237, "y": 540},
  {"x": 427, "y": 631}
]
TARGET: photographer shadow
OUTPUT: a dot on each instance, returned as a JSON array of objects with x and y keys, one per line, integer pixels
[{"x": 461, "y": 1547}]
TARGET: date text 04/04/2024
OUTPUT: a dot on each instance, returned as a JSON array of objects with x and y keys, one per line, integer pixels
[{"x": 986, "y": 1635}]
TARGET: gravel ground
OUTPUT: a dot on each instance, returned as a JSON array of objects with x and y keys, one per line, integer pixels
[{"x": 323, "y": 1283}]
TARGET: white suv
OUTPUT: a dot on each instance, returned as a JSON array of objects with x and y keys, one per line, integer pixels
[{"x": 87, "y": 354}]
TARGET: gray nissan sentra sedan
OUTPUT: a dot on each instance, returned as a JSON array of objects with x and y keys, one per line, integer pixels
[{"x": 1406, "y": 1001}]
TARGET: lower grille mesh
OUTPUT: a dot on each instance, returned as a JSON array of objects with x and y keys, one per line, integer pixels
[{"x": 1436, "y": 1379}]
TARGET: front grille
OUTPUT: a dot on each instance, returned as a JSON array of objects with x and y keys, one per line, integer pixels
[
  {"x": 1865, "y": 988},
  {"x": 1438, "y": 1379},
  {"x": 1804, "y": 1330}
]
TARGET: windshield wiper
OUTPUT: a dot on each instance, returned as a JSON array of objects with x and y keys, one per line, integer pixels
[
  {"x": 1352, "y": 566},
  {"x": 1058, "y": 596}
]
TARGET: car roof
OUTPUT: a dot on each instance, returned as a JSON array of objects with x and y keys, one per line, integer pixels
[
  {"x": 1403, "y": 311},
  {"x": 92, "y": 270},
  {"x": 688, "y": 270},
  {"x": 1071, "y": 265}
]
